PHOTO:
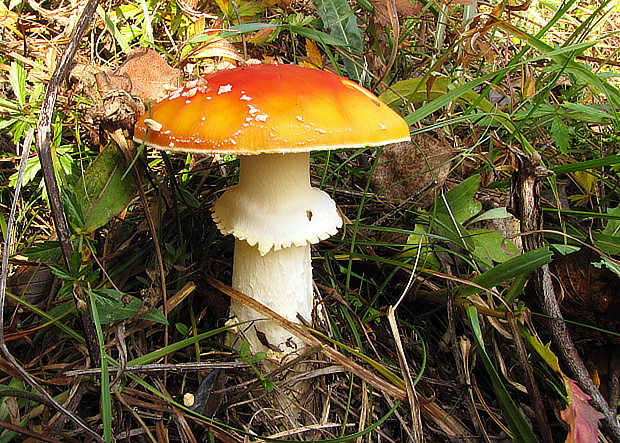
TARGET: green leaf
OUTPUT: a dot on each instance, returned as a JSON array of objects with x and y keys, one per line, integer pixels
[
  {"x": 588, "y": 114},
  {"x": 60, "y": 272},
  {"x": 317, "y": 36},
  {"x": 419, "y": 240},
  {"x": 491, "y": 214},
  {"x": 33, "y": 166},
  {"x": 47, "y": 250},
  {"x": 453, "y": 208},
  {"x": 6, "y": 123},
  {"x": 104, "y": 190},
  {"x": 492, "y": 246},
  {"x": 250, "y": 8},
  {"x": 607, "y": 243},
  {"x": 447, "y": 226},
  {"x": 258, "y": 357},
  {"x": 522, "y": 264},
  {"x": 609, "y": 240},
  {"x": 543, "y": 351},
  {"x": 114, "y": 306},
  {"x": 459, "y": 201},
  {"x": 341, "y": 21},
  {"x": 244, "y": 349},
  {"x": 560, "y": 134},
  {"x": 611, "y": 265},
  {"x": 267, "y": 384},
  {"x": 17, "y": 79},
  {"x": 73, "y": 209},
  {"x": 538, "y": 112},
  {"x": 564, "y": 249},
  {"x": 8, "y": 106},
  {"x": 613, "y": 226},
  {"x": 187, "y": 197},
  {"x": 183, "y": 329},
  {"x": 155, "y": 315}
]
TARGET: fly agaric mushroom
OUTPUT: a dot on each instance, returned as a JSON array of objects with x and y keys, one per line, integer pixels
[{"x": 272, "y": 116}]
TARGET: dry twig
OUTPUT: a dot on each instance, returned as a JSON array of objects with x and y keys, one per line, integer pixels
[{"x": 43, "y": 141}]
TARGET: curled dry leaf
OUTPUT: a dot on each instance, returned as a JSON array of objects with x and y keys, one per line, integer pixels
[
  {"x": 218, "y": 49},
  {"x": 407, "y": 168},
  {"x": 590, "y": 295},
  {"x": 403, "y": 8},
  {"x": 147, "y": 75},
  {"x": 31, "y": 283}
]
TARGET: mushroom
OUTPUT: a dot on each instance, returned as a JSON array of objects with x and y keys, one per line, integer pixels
[{"x": 272, "y": 117}]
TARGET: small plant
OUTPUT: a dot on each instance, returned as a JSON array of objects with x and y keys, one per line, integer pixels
[{"x": 251, "y": 359}]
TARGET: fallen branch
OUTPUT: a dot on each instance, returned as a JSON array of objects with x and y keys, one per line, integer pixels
[{"x": 526, "y": 207}]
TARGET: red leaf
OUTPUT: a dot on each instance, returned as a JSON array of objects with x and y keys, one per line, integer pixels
[{"x": 581, "y": 418}]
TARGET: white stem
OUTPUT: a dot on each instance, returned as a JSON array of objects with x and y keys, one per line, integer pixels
[
  {"x": 282, "y": 281},
  {"x": 275, "y": 216},
  {"x": 281, "y": 178}
]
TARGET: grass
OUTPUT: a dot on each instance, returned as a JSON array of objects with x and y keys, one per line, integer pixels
[{"x": 484, "y": 83}]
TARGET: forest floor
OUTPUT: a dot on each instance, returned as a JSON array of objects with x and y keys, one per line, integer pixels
[{"x": 436, "y": 303}]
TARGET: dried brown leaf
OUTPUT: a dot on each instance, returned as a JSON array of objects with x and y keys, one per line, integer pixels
[
  {"x": 403, "y": 8},
  {"x": 406, "y": 168},
  {"x": 148, "y": 74},
  {"x": 313, "y": 53}
]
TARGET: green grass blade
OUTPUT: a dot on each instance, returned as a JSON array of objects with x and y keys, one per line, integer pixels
[
  {"x": 50, "y": 320},
  {"x": 514, "y": 418},
  {"x": 587, "y": 214},
  {"x": 588, "y": 164},
  {"x": 383, "y": 370},
  {"x": 156, "y": 355},
  {"x": 460, "y": 91},
  {"x": 106, "y": 395},
  {"x": 522, "y": 264},
  {"x": 565, "y": 58},
  {"x": 113, "y": 29}
]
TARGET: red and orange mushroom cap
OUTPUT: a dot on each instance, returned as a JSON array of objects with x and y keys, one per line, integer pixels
[{"x": 269, "y": 109}]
